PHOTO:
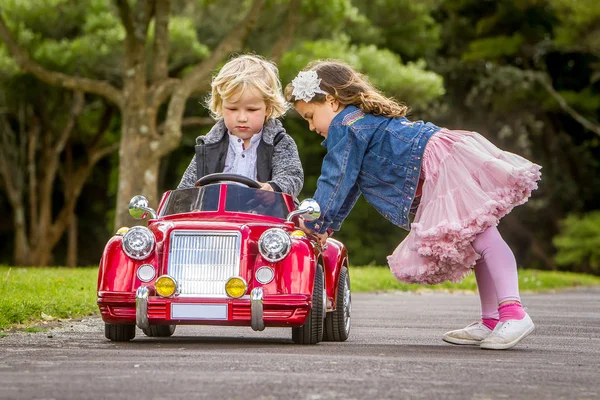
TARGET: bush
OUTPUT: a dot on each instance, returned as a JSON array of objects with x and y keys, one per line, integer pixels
[{"x": 578, "y": 243}]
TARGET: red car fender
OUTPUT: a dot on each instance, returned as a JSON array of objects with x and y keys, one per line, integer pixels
[
  {"x": 335, "y": 256},
  {"x": 296, "y": 273},
  {"x": 117, "y": 272}
]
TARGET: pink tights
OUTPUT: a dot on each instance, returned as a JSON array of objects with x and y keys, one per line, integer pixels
[{"x": 495, "y": 272}]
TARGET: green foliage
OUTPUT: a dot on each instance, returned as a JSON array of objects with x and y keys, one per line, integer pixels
[
  {"x": 579, "y": 22},
  {"x": 411, "y": 82},
  {"x": 493, "y": 48},
  {"x": 578, "y": 242},
  {"x": 405, "y": 27}
]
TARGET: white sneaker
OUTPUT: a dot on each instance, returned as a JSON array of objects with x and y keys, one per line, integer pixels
[
  {"x": 508, "y": 333},
  {"x": 472, "y": 334}
]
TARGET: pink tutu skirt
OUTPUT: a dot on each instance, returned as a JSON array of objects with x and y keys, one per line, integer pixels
[{"x": 469, "y": 184}]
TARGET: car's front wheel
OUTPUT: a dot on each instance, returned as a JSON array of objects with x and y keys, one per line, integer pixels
[
  {"x": 159, "y": 330},
  {"x": 312, "y": 330},
  {"x": 119, "y": 332},
  {"x": 337, "y": 323}
]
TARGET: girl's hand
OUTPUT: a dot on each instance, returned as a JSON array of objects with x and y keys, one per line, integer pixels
[{"x": 319, "y": 237}]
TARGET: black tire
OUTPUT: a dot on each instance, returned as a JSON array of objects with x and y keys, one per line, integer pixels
[
  {"x": 312, "y": 330},
  {"x": 337, "y": 323},
  {"x": 159, "y": 330},
  {"x": 119, "y": 333}
]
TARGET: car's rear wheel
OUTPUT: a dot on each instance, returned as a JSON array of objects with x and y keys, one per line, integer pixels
[
  {"x": 337, "y": 323},
  {"x": 312, "y": 330},
  {"x": 159, "y": 330},
  {"x": 119, "y": 332}
]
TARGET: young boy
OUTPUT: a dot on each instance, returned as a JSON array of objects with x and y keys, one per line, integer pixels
[{"x": 246, "y": 100}]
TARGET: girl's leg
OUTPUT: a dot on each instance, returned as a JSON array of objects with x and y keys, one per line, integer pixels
[
  {"x": 501, "y": 267},
  {"x": 487, "y": 294},
  {"x": 497, "y": 269}
]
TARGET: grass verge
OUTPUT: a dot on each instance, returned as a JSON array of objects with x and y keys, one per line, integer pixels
[
  {"x": 29, "y": 296},
  {"x": 376, "y": 279}
]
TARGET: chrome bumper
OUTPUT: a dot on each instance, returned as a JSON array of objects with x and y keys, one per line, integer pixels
[
  {"x": 141, "y": 307},
  {"x": 256, "y": 307}
]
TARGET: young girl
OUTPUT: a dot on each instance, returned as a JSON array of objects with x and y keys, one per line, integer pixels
[
  {"x": 247, "y": 139},
  {"x": 464, "y": 182}
]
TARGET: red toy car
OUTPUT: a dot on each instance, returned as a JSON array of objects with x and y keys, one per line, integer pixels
[{"x": 224, "y": 253}]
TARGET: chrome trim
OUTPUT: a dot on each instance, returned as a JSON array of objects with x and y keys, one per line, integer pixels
[
  {"x": 202, "y": 261},
  {"x": 146, "y": 265},
  {"x": 125, "y": 244},
  {"x": 256, "y": 306},
  {"x": 264, "y": 267},
  {"x": 141, "y": 307},
  {"x": 347, "y": 305},
  {"x": 309, "y": 207},
  {"x": 138, "y": 208},
  {"x": 284, "y": 252}
]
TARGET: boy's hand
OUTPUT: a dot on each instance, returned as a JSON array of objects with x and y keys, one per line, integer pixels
[
  {"x": 266, "y": 198},
  {"x": 266, "y": 186}
]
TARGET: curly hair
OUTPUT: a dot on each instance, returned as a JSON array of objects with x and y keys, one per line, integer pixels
[
  {"x": 349, "y": 87},
  {"x": 243, "y": 72}
]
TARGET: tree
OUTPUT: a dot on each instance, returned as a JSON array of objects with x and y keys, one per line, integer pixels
[{"x": 145, "y": 86}]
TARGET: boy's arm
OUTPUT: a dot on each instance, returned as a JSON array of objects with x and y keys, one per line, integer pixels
[
  {"x": 288, "y": 175},
  {"x": 189, "y": 176}
]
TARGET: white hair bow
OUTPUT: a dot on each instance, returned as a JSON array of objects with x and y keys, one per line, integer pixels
[{"x": 306, "y": 86}]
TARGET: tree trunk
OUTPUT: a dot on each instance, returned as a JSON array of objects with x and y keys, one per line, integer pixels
[
  {"x": 138, "y": 164},
  {"x": 21, "y": 248},
  {"x": 72, "y": 242}
]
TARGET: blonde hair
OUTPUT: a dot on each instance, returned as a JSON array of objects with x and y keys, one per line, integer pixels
[
  {"x": 243, "y": 72},
  {"x": 350, "y": 87}
]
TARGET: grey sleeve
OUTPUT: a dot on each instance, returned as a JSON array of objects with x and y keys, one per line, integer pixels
[
  {"x": 287, "y": 168},
  {"x": 189, "y": 176}
]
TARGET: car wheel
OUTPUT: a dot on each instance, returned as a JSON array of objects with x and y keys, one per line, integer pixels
[
  {"x": 312, "y": 330},
  {"x": 337, "y": 323},
  {"x": 119, "y": 332},
  {"x": 159, "y": 330}
]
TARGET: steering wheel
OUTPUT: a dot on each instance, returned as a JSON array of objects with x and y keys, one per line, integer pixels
[{"x": 220, "y": 177}]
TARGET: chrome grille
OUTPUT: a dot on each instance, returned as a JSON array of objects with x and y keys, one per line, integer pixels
[{"x": 202, "y": 261}]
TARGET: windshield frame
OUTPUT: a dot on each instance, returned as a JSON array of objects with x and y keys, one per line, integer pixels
[{"x": 224, "y": 203}]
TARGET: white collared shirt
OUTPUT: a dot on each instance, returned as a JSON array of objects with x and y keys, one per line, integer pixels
[{"x": 240, "y": 160}]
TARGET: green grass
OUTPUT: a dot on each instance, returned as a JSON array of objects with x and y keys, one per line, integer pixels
[
  {"x": 29, "y": 295},
  {"x": 374, "y": 279}
]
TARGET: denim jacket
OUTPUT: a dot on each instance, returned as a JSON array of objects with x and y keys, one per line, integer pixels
[{"x": 376, "y": 156}]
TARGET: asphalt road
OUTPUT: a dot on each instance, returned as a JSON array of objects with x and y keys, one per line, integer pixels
[{"x": 395, "y": 351}]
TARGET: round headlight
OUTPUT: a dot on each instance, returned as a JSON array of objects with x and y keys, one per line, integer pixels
[
  {"x": 236, "y": 287},
  {"x": 274, "y": 244},
  {"x": 138, "y": 242},
  {"x": 146, "y": 272},
  {"x": 264, "y": 275},
  {"x": 165, "y": 286}
]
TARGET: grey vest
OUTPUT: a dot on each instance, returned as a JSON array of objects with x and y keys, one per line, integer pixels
[{"x": 210, "y": 158}]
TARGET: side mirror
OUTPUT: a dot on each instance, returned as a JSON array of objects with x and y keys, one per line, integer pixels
[
  {"x": 309, "y": 209},
  {"x": 138, "y": 208}
]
